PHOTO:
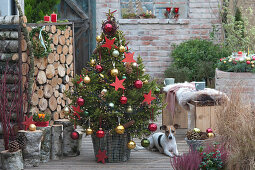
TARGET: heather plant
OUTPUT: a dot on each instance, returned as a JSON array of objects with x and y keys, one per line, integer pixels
[{"x": 236, "y": 125}]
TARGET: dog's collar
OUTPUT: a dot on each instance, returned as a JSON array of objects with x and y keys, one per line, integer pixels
[{"x": 159, "y": 140}]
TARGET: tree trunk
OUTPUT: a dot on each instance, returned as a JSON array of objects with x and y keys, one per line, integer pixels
[
  {"x": 43, "y": 104},
  {"x": 56, "y": 145},
  {"x": 51, "y": 58},
  {"x": 12, "y": 160},
  {"x": 41, "y": 77},
  {"x": 48, "y": 91},
  {"x": 53, "y": 103},
  {"x": 46, "y": 143},
  {"x": 50, "y": 71}
]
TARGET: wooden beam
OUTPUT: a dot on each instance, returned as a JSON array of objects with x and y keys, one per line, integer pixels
[
  {"x": 77, "y": 9},
  {"x": 82, "y": 29},
  {"x": 45, "y": 24}
]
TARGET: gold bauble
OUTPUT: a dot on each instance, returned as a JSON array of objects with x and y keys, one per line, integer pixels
[
  {"x": 210, "y": 135},
  {"x": 120, "y": 129},
  {"x": 145, "y": 82},
  {"x": 32, "y": 127},
  {"x": 92, "y": 62},
  {"x": 101, "y": 75},
  {"x": 129, "y": 109},
  {"x": 248, "y": 58},
  {"x": 224, "y": 62},
  {"x": 252, "y": 65},
  {"x": 66, "y": 111},
  {"x": 122, "y": 49},
  {"x": 86, "y": 79},
  {"x": 99, "y": 38},
  {"x": 114, "y": 72},
  {"x": 89, "y": 131},
  {"x": 131, "y": 145}
]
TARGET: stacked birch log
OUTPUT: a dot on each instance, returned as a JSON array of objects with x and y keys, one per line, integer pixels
[{"x": 53, "y": 74}]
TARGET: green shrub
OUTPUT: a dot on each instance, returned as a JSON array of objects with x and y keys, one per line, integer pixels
[
  {"x": 180, "y": 75},
  {"x": 35, "y": 10},
  {"x": 196, "y": 60}
]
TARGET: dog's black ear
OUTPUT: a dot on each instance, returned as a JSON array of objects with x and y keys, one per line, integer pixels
[
  {"x": 176, "y": 126},
  {"x": 163, "y": 127}
]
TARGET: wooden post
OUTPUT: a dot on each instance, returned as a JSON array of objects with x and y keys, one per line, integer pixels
[
  {"x": 31, "y": 152},
  {"x": 12, "y": 160},
  {"x": 56, "y": 141},
  {"x": 70, "y": 147},
  {"x": 46, "y": 143}
]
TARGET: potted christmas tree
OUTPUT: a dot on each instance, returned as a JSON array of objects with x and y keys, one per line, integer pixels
[{"x": 113, "y": 99}]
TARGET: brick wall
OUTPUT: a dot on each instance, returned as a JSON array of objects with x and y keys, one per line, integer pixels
[
  {"x": 153, "y": 38},
  {"x": 225, "y": 81}
]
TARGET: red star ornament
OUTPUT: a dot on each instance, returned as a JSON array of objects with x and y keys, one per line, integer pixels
[
  {"x": 109, "y": 43},
  {"x": 118, "y": 84},
  {"x": 129, "y": 57},
  {"x": 101, "y": 156},
  {"x": 77, "y": 109},
  {"x": 148, "y": 98},
  {"x": 28, "y": 121}
]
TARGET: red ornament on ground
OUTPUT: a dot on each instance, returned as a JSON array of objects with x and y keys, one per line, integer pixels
[
  {"x": 100, "y": 133},
  {"x": 123, "y": 100},
  {"x": 101, "y": 156},
  {"x": 99, "y": 68},
  {"x": 108, "y": 27},
  {"x": 138, "y": 84},
  {"x": 75, "y": 135},
  {"x": 152, "y": 127},
  {"x": 209, "y": 130},
  {"x": 80, "y": 101},
  {"x": 53, "y": 17},
  {"x": 248, "y": 62},
  {"x": 148, "y": 98}
]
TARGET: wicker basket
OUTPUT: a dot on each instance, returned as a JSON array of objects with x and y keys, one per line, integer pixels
[{"x": 115, "y": 146}]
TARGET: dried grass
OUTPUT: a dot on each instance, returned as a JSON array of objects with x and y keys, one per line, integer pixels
[{"x": 236, "y": 125}]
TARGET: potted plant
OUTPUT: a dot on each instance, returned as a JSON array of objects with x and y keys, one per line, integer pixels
[{"x": 41, "y": 119}]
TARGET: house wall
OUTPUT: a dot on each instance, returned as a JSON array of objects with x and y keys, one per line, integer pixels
[{"x": 153, "y": 38}]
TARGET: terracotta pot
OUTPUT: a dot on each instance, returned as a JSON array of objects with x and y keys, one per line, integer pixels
[{"x": 42, "y": 124}]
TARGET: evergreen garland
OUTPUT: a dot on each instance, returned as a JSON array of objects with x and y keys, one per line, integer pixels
[{"x": 38, "y": 49}]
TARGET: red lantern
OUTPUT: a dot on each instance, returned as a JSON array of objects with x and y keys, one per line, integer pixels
[
  {"x": 138, "y": 84},
  {"x": 53, "y": 17},
  {"x": 168, "y": 9},
  {"x": 152, "y": 127},
  {"x": 209, "y": 130},
  {"x": 108, "y": 27},
  {"x": 75, "y": 135},
  {"x": 80, "y": 101},
  {"x": 123, "y": 100},
  {"x": 100, "y": 133},
  {"x": 99, "y": 68},
  {"x": 46, "y": 18},
  {"x": 176, "y": 10}
]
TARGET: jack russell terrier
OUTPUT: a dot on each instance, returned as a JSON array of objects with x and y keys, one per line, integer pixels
[{"x": 165, "y": 142}]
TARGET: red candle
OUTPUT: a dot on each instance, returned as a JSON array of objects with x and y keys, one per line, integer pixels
[
  {"x": 46, "y": 18},
  {"x": 176, "y": 10},
  {"x": 53, "y": 17},
  {"x": 168, "y": 9}
]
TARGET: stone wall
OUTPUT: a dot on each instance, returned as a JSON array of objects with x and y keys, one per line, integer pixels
[
  {"x": 225, "y": 81},
  {"x": 153, "y": 38}
]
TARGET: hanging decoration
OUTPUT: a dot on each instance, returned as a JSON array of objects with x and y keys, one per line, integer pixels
[
  {"x": 122, "y": 49},
  {"x": 123, "y": 99},
  {"x": 138, "y": 84},
  {"x": 131, "y": 144},
  {"x": 99, "y": 68},
  {"x": 100, "y": 133},
  {"x": 109, "y": 44},
  {"x": 145, "y": 143},
  {"x": 99, "y": 38},
  {"x": 115, "y": 53},
  {"x": 75, "y": 135},
  {"x": 148, "y": 98},
  {"x": 119, "y": 129},
  {"x": 89, "y": 131},
  {"x": 118, "y": 83},
  {"x": 66, "y": 111},
  {"x": 129, "y": 58},
  {"x": 86, "y": 79},
  {"x": 80, "y": 101},
  {"x": 152, "y": 126}
]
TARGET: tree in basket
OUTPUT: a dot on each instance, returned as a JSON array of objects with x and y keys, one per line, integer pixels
[{"x": 113, "y": 95}]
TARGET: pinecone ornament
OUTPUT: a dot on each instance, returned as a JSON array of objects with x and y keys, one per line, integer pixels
[
  {"x": 21, "y": 139},
  {"x": 129, "y": 68},
  {"x": 192, "y": 135},
  {"x": 13, "y": 146}
]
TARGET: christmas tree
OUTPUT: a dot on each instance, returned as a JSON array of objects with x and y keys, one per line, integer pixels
[{"x": 113, "y": 92}]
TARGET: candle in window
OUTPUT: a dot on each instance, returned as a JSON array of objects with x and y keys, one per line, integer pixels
[
  {"x": 147, "y": 12},
  {"x": 53, "y": 17},
  {"x": 150, "y": 12},
  {"x": 46, "y": 18}
]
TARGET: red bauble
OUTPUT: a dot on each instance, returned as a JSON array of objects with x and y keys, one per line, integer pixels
[
  {"x": 100, "y": 133},
  {"x": 80, "y": 101},
  {"x": 240, "y": 52},
  {"x": 253, "y": 57},
  {"x": 248, "y": 62},
  {"x": 108, "y": 27},
  {"x": 123, "y": 100},
  {"x": 75, "y": 135},
  {"x": 99, "y": 68},
  {"x": 209, "y": 130},
  {"x": 152, "y": 127},
  {"x": 138, "y": 84}
]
